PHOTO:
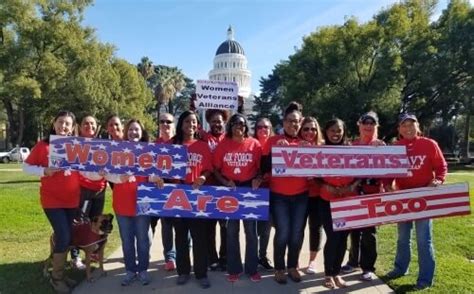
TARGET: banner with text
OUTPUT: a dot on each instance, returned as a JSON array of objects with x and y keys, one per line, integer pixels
[
  {"x": 326, "y": 161},
  {"x": 209, "y": 202},
  {"x": 216, "y": 95},
  {"x": 404, "y": 205},
  {"x": 118, "y": 157}
]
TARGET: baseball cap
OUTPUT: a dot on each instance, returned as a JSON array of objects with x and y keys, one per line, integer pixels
[
  {"x": 369, "y": 115},
  {"x": 406, "y": 116}
]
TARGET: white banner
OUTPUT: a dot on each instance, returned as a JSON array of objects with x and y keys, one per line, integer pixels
[
  {"x": 400, "y": 206},
  {"x": 217, "y": 95}
]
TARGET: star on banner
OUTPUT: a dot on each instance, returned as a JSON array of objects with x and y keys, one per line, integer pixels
[
  {"x": 177, "y": 156},
  {"x": 138, "y": 147},
  {"x": 144, "y": 188},
  {"x": 251, "y": 215},
  {"x": 221, "y": 188},
  {"x": 249, "y": 195},
  {"x": 197, "y": 191},
  {"x": 202, "y": 213},
  {"x": 164, "y": 149}
]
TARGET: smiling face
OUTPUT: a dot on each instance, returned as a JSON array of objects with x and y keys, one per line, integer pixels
[
  {"x": 88, "y": 127},
  {"x": 190, "y": 126},
  {"x": 309, "y": 131},
  {"x": 263, "y": 130},
  {"x": 292, "y": 123},
  {"x": 238, "y": 126},
  {"x": 216, "y": 124},
  {"x": 409, "y": 129},
  {"x": 335, "y": 133},
  {"x": 134, "y": 132},
  {"x": 115, "y": 128},
  {"x": 63, "y": 125},
  {"x": 166, "y": 125},
  {"x": 367, "y": 128}
]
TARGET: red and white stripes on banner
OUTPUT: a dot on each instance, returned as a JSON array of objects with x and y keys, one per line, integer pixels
[
  {"x": 323, "y": 161},
  {"x": 399, "y": 206}
]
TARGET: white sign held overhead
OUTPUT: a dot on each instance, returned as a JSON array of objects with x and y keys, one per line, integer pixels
[{"x": 217, "y": 95}]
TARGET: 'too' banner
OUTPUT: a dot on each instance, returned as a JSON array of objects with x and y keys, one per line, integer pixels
[
  {"x": 209, "y": 202},
  {"x": 118, "y": 157},
  {"x": 326, "y": 161},
  {"x": 404, "y": 205}
]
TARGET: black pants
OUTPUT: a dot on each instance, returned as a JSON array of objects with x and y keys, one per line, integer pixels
[
  {"x": 92, "y": 202},
  {"x": 336, "y": 243},
  {"x": 198, "y": 229},
  {"x": 363, "y": 250},
  {"x": 212, "y": 249},
  {"x": 315, "y": 224}
]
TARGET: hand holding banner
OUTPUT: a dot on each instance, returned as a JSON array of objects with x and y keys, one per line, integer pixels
[
  {"x": 210, "y": 202},
  {"x": 326, "y": 161},
  {"x": 403, "y": 205},
  {"x": 118, "y": 157}
]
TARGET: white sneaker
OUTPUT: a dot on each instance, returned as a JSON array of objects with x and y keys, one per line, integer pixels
[
  {"x": 78, "y": 264},
  {"x": 311, "y": 269},
  {"x": 367, "y": 276}
]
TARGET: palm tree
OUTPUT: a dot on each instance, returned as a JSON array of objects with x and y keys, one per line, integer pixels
[
  {"x": 146, "y": 68},
  {"x": 167, "y": 82}
]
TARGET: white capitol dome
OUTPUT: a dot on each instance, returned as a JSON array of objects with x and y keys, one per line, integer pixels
[{"x": 230, "y": 64}]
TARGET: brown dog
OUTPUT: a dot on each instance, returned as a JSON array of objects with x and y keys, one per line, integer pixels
[{"x": 91, "y": 237}]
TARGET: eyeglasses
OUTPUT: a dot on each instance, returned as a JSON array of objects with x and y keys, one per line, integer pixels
[
  {"x": 263, "y": 127},
  {"x": 369, "y": 122},
  {"x": 307, "y": 129},
  {"x": 293, "y": 121},
  {"x": 165, "y": 121}
]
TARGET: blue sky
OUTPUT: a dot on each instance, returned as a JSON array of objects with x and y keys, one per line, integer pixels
[{"x": 186, "y": 33}]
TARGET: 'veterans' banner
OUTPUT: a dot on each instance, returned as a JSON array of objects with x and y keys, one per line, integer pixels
[
  {"x": 404, "y": 205},
  {"x": 118, "y": 157},
  {"x": 359, "y": 161},
  {"x": 209, "y": 202}
]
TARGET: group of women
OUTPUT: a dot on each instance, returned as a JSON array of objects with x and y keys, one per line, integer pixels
[{"x": 229, "y": 155}]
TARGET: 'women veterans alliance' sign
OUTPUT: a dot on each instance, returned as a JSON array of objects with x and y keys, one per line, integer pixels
[
  {"x": 210, "y": 202},
  {"x": 118, "y": 157},
  {"x": 217, "y": 95}
]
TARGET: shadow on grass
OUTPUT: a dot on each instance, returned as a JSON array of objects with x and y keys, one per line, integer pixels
[
  {"x": 21, "y": 182},
  {"x": 27, "y": 277}
]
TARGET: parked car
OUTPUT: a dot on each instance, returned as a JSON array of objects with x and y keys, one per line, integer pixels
[{"x": 16, "y": 154}]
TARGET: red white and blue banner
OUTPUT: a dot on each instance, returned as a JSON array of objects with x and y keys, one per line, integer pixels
[
  {"x": 118, "y": 157},
  {"x": 209, "y": 202},
  {"x": 217, "y": 95},
  {"x": 399, "y": 206},
  {"x": 326, "y": 161}
]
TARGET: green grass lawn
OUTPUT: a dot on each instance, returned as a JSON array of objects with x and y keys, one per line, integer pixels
[
  {"x": 24, "y": 234},
  {"x": 454, "y": 251}
]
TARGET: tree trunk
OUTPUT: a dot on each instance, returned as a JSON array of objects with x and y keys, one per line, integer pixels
[
  {"x": 467, "y": 131},
  {"x": 170, "y": 106},
  {"x": 21, "y": 126},
  {"x": 13, "y": 125}
]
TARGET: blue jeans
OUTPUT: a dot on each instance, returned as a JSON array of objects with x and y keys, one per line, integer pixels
[
  {"x": 289, "y": 216},
  {"x": 167, "y": 239},
  {"x": 234, "y": 260},
  {"x": 263, "y": 231},
  {"x": 135, "y": 228},
  {"x": 61, "y": 221},
  {"x": 426, "y": 260}
]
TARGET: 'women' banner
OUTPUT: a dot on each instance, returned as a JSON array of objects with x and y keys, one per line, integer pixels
[
  {"x": 404, "y": 205},
  {"x": 209, "y": 202},
  {"x": 326, "y": 161},
  {"x": 118, "y": 157}
]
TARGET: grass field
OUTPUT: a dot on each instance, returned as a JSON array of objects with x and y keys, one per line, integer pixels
[
  {"x": 25, "y": 231},
  {"x": 24, "y": 234}
]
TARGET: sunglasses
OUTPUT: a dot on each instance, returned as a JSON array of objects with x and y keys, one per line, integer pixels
[
  {"x": 307, "y": 129},
  {"x": 262, "y": 127},
  {"x": 165, "y": 121}
]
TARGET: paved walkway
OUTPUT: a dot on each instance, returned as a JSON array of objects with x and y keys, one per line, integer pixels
[{"x": 165, "y": 282}]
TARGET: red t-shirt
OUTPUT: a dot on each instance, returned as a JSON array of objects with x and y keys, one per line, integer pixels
[
  {"x": 314, "y": 188},
  {"x": 336, "y": 182},
  {"x": 199, "y": 160},
  {"x": 426, "y": 160},
  {"x": 58, "y": 190},
  {"x": 124, "y": 197},
  {"x": 211, "y": 140},
  {"x": 162, "y": 141},
  {"x": 92, "y": 185},
  {"x": 238, "y": 161},
  {"x": 288, "y": 186}
]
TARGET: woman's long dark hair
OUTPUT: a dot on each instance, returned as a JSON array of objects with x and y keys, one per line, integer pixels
[
  {"x": 179, "y": 137},
  {"x": 344, "y": 140},
  {"x": 232, "y": 120},
  {"x": 144, "y": 138},
  {"x": 61, "y": 113}
]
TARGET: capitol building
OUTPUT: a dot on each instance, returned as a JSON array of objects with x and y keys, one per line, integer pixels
[{"x": 230, "y": 64}]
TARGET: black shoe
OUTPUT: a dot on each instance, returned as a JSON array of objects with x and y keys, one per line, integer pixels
[
  {"x": 182, "y": 279},
  {"x": 214, "y": 266},
  {"x": 265, "y": 263},
  {"x": 223, "y": 265},
  {"x": 204, "y": 283}
]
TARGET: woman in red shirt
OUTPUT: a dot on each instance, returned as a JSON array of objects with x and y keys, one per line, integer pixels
[
  {"x": 288, "y": 200},
  {"x": 311, "y": 133},
  {"x": 334, "y": 133},
  {"x": 428, "y": 169},
  {"x": 263, "y": 130},
  {"x": 59, "y": 192},
  {"x": 133, "y": 228},
  {"x": 114, "y": 127},
  {"x": 237, "y": 163}
]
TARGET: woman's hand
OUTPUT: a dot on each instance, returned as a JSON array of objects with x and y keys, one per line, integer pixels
[
  {"x": 49, "y": 171},
  {"x": 159, "y": 182},
  {"x": 282, "y": 142},
  {"x": 256, "y": 182},
  {"x": 435, "y": 183},
  {"x": 230, "y": 184},
  {"x": 198, "y": 182}
]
